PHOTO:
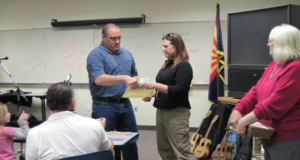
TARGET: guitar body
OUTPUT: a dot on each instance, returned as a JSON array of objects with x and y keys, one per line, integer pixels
[
  {"x": 216, "y": 153},
  {"x": 202, "y": 151},
  {"x": 226, "y": 152},
  {"x": 195, "y": 140}
]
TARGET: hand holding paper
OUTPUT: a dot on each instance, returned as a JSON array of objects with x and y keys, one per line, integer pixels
[
  {"x": 147, "y": 99},
  {"x": 132, "y": 82},
  {"x": 140, "y": 92},
  {"x": 148, "y": 85}
]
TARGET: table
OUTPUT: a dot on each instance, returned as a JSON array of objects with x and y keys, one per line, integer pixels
[
  {"x": 42, "y": 96},
  {"x": 228, "y": 100},
  {"x": 119, "y": 141},
  {"x": 12, "y": 97}
]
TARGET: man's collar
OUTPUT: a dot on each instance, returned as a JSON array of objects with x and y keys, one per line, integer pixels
[
  {"x": 60, "y": 115},
  {"x": 109, "y": 51}
]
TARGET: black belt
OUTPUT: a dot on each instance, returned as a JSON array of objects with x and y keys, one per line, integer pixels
[{"x": 107, "y": 99}]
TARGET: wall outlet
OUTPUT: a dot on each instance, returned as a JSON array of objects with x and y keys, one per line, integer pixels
[
  {"x": 88, "y": 107},
  {"x": 135, "y": 108}
]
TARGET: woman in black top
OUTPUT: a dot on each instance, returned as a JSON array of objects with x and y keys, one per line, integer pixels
[{"x": 171, "y": 100}]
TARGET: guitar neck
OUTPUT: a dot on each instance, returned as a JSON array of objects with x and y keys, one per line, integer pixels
[
  {"x": 208, "y": 130},
  {"x": 223, "y": 141},
  {"x": 225, "y": 136}
]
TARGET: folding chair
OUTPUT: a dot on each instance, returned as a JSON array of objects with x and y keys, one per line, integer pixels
[{"x": 99, "y": 155}]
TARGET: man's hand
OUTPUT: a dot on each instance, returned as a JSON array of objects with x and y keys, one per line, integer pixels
[
  {"x": 103, "y": 121},
  {"x": 132, "y": 82}
]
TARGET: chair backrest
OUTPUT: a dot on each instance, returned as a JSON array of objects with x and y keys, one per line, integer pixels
[{"x": 99, "y": 155}]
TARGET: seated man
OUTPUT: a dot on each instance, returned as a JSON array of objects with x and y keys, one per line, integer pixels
[{"x": 65, "y": 133}]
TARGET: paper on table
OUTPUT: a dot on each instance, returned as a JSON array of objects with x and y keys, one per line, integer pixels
[
  {"x": 138, "y": 93},
  {"x": 115, "y": 133}
]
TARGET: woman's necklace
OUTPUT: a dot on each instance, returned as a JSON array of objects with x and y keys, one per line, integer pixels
[{"x": 274, "y": 74}]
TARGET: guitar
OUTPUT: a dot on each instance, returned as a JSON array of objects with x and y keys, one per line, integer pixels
[
  {"x": 223, "y": 150},
  {"x": 68, "y": 79},
  {"x": 202, "y": 150},
  {"x": 196, "y": 136}
]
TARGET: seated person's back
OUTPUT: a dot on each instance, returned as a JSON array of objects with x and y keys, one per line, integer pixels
[{"x": 65, "y": 133}]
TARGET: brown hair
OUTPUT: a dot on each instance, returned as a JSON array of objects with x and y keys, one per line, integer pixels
[
  {"x": 108, "y": 26},
  {"x": 59, "y": 96},
  {"x": 179, "y": 45}
]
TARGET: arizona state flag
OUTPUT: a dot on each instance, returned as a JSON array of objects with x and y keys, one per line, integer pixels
[{"x": 216, "y": 80}]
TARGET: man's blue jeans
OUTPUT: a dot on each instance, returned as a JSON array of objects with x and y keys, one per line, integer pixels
[{"x": 119, "y": 117}]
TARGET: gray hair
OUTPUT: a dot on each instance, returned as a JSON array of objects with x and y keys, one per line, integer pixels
[{"x": 286, "y": 40}]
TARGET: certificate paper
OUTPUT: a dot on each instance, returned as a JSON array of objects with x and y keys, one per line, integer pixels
[{"x": 138, "y": 93}]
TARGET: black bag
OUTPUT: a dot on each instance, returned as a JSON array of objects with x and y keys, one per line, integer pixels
[
  {"x": 218, "y": 129},
  {"x": 244, "y": 152},
  {"x": 206, "y": 122}
]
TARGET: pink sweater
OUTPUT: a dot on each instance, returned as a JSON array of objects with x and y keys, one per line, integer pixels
[
  {"x": 276, "y": 102},
  {"x": 6, "y": 143}
]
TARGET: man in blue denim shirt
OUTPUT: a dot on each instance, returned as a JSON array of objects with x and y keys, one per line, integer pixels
[{"x": 111, "y": 69}]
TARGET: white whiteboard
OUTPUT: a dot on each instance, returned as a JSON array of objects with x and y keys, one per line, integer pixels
[
  {"x": 26, "y": 52},
  {"x": 48, "y": 55},
  {"x": 66, "y": 53}
]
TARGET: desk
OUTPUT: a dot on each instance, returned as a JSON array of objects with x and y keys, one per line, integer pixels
[
  {"x": 42, "y": 96},
  {"x": 12, "y": 97},
  {"x": 228, "y": 100},
  {"x": 119, "y": 141}
]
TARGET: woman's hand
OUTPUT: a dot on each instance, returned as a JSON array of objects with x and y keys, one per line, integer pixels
[
  {"x": 241, "y": 127},
  {"x": 148, "y": 85},
  {"x": 147, "y": 99},
  {"x": 244, "y": 122},
  {"x": 234, "y": 118}
]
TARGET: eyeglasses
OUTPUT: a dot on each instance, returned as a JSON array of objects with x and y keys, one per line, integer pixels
[
  {"x": 167, "y": 35},
  {"x": 114, "y": 38}
]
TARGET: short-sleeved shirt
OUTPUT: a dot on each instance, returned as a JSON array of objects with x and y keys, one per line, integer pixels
[
  {"x": 6, "y": 143},
  {"x": 103, "y": 61},
  {"x": 65, "y": 134}
]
